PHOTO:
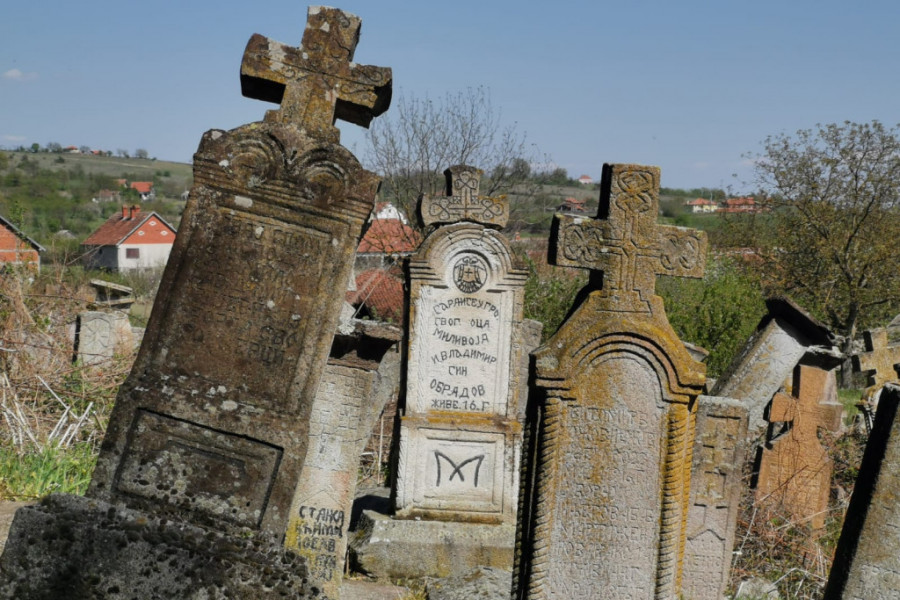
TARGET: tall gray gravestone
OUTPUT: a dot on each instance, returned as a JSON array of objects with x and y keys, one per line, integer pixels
[
  {"x": 466, "y": 382},
  {"x": 362, "y": 374},
  {"x": 866, "y": 562},
  {"x": 606, "y": 491},
  {"x": 716, "y": 484},
  {"x": 209, "y": 434}
]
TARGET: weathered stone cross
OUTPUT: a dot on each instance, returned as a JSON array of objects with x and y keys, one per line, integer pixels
[
  {"x": 804, "y": 410},
  {"x": 462, "y": 202},
  {"x": 798, "y": 468},
  {"x": 317, "y": 82},
  {"x": 879, "y": 362},
  {"x": 625, "y": 242}
]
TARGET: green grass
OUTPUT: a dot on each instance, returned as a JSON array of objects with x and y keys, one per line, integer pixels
[{"x": 32, "y": 474}]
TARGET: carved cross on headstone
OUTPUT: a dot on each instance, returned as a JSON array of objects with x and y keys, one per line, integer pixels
[
  {"x": 625, "y": 242},
  {"x": 317, "y": 82},
  {"x": 797, "y": 467},
  {"x": 463, "y": 202},
  {"x": 880, "y": 362}
]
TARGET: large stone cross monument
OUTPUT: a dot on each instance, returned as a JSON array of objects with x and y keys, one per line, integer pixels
[
  {"x": 317, "y": 82},
  {"x": 605, "y": 497},
  {"x": 196, "y": 483}
]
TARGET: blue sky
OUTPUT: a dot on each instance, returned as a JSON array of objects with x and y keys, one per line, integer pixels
[{"x": 690, "y": 86}]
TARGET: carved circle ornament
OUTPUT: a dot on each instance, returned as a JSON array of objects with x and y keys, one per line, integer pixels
[
  {"x": 680, "y": 252},
  {"x": 470, "y": 273},
  {"x": 582, "y": 245}
]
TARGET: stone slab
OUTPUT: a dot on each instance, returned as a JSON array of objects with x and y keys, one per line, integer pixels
[
  {"x": 75, "y": 547},
  {"x": 716, "y": 485},
  {"x": 866, "y": 562},
  {"x": 409, "y": 549}
]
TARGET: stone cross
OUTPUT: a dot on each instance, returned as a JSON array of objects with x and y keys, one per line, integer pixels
[
  {"x": 317, "y": 82},
  {"x": 879, "y": 362},
  {"x": 606, "y": 483},
  {"x": 624, "y": 241},
  {"x": 797, "y": 470},
  {"x": 463, "y": 202}
]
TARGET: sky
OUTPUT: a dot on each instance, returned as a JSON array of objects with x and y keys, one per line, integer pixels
[{"x": 691, "y": 86}]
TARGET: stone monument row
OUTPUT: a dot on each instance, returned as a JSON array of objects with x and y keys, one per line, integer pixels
[
  {"x": 466, "y": 385},
  {"x": 606, "y": 488},
  {"x": 196, "y": 485}
]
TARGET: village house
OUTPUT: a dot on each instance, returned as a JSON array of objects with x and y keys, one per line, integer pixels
[
  {"x": 740, "y": 205},
  {"x": 388, "y": 238},
  {"x": 573, "y": 205},
  {"x": 145, "y": 189},
  {"x": 702, "y": 205},
  {"x": 16, "y": 248},
  {"x": 129, "y": 240},
  {"x": 585, "y": 180}
]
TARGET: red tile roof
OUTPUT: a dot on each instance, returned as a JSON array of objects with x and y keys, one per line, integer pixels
[
  {"x": 389, "y": 236},
  {"x": 117, "y": 228},
  {"x": 381, "y": 293},
  {"x": 700, "y": 202},
  {"x": 143, "y": 187}
]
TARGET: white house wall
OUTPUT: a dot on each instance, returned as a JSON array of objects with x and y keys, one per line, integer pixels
[{"x": 150, "y": 255}]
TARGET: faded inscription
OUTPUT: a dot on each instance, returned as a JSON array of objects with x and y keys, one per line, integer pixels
[
  {"x": 606, "y": 518},
  {"x": 248, "y": 284}
]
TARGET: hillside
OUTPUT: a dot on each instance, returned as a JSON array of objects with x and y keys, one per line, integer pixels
[{"x": 50, "y": 195}]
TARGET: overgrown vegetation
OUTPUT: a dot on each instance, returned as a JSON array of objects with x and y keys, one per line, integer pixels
[{"x": 53, "y": 412}]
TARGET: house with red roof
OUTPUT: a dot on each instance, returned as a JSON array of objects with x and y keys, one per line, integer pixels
[
  {"x": 740, "y": 205},
  {"x": 387, "y": 238},
  {"x": 573, "y": 205},
  {"x": 585, "y": 180},
  {"x": 129, "y": 240},
  {"x": 16, "y": 248},
  {"x": 702, "y": 205},
  {"x": 145, "y": 189},
  {"x": 378, "y": 295}
]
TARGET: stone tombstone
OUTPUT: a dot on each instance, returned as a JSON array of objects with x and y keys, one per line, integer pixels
[
  {"x": 460, "y": 437},
  {"x": 795, "y": 469},
  {"x": 101, "y": 335},
  {"x": 606, "y": 487},
  {"x": 866, "y": 562},
  {"x": 784, "y": 336},
  {"x": 362, "y": 374},
  {"x": 719, "y": 453},
  {"x": 879, "y": 362},
  {"x": 211, "y": 428}
]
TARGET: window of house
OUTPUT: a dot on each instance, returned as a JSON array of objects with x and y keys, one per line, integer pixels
[{"x": 132, "y": 252}]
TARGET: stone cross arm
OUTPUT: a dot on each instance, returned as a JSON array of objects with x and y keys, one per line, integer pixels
[
  {"x": 317, "y": 82},
  {"x": 625, "y": 242},
  {"x": 806, "y": 412},
  {"x": 880, "y": 361}
]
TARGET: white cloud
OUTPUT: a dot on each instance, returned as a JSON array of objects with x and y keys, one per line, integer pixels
[
  {"x": 14, "y": 138},
  {"x": 18, "y": 75}
]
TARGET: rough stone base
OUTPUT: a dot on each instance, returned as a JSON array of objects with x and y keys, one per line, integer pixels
[
  {"x": 399, "y": 549},
  {"x": 79, "y": 549}
]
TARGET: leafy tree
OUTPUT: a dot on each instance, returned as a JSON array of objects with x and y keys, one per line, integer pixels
[
  {"x": 35, "y": 147},
  {"x": 412, "y": 145},
  {"x": 829, "y": 236},
  {"x": 718, "y": 312}
]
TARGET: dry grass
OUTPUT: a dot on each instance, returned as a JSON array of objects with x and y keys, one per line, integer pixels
[
  {"x": 53, "y": 412},
  {"x": 773, "y": 546}
]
